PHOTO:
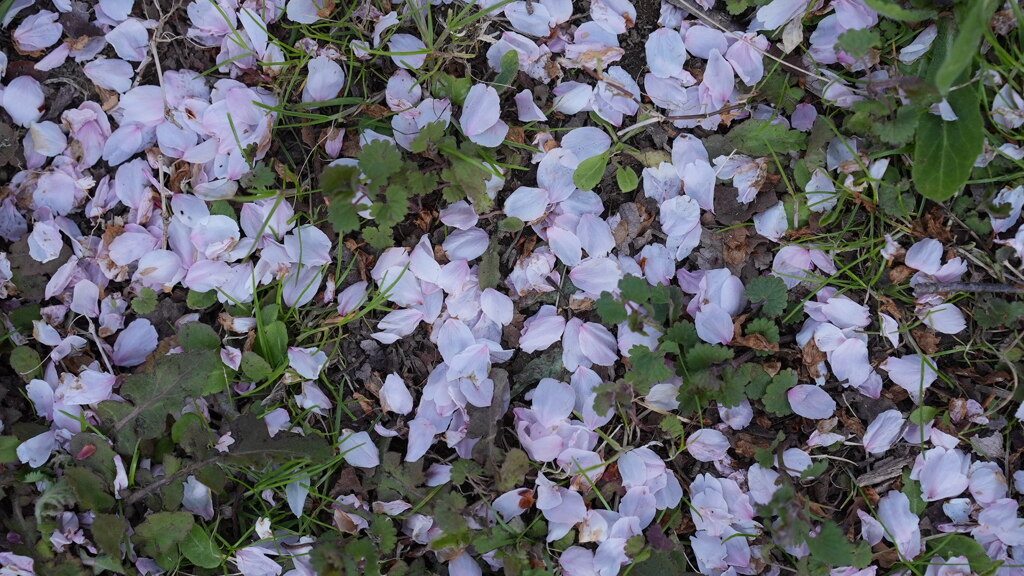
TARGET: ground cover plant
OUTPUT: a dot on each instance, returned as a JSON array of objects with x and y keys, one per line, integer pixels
[{"x": 526, "y": 287}]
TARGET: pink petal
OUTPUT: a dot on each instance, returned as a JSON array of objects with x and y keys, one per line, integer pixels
[
  {"x": 135, "y": 343},
  {"x": 358, "y": 449},
  {"x": 811, "y": 401}
]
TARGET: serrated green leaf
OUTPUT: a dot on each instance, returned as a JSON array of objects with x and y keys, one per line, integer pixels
[
  {"x": 153, "y": 395},
  {"x": 830, "y": 546},
  {"x": 90, "y": 490},
  {"x": 627, "y": 179},
  {"x": 161, "y": 532},
  {"x": 704, "y": 355},
  {"x": 858, "y": 43},
  {"x": 343, "y": 216},
  {"x": 387, "y": 535},
  {"x": 770, "y": 292},
  {"x": 199, "y": 548},
  {"x": 517, "y": 463},
  {"x": 26, "y": 362},
  {"x": 145, "y": 302},
  {"x": 648, "y": 368},
  {"x": 765, "y": 327},
  {"x": 253, "y": 444},
  {"x": 590, "y": 172},
  {"x": 775, "y": 399},
  {"x": 379, "y": 160},
  {"x": 108, "y": 532},
  {"x": 945, "y": 151},
  {"x": 611, "y": 310},
  {"x": 428, "y": 138},
  {"x": 635, "y": 289},
  {"x": 761, "y": 138}
]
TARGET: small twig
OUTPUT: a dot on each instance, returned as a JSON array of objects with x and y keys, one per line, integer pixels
[
  {"x": 99, "y": 344},
  {"x": 976, "y": 287}
]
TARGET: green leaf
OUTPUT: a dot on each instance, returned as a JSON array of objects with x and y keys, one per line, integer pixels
[
  {"x": 387, "y": 535},
  {"x": 90, "y": 489},
  {"x": 770, "y": 292},
  {"x": 648, "y": 368},
  {"x": 378, "y": 237},
  {"x": 108, "y": 531},
  {"x": 952, "y": 545},
  {"x": 964, "y": 48},
  {"x": 945, "y": 151},
  {"x": 627, "y": 179},
  {"x": 255, "y": 367},
  {"x": 589, "y": 173},
  {"x": 195, "y": 336},
  {"x": 145, "y": 302},
  {"x": 154, "y": 395},
  {"x": 891, "y": 9},
  {"x": 858, "y": 43},
  {"x": 254, "y": 445},
  {"x": 612, "y": 311},
  {"x": 26, "y": 362},
  {"x": 394, "y": 209},
  {"x": 761, "y": 138},
  {"x": 261, "y": 177},
  {"x": 513, "y": 469},
  {"x": 455, "y": 89},
  {"x": 831, "y": 546},
  {"x": 199, "y": 548},
  {"x": 509, "y": 69},
  {"x": 635, "y": 289},
  {"x": 162, "y": 531},
  {"x": 511, "y": 224},
  {"x": 912, "y": 489},
  {"x": 428, "y": 138},
  {"x": 705, "y": 355},
  {"x": 379, "y": 160},
  {"x": 200, "y": 300},
  {"x": 765, "y": 327},
  {"x": 272, "y": 342},
  {"x": 923, "y": 415},
  {"x": 9, "y": 449},
  {"x": 343, "y": 216},
  {"x": 775, "y": 399}
]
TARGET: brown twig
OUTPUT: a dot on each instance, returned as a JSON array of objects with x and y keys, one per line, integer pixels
[{"x": 976, "y": 287}]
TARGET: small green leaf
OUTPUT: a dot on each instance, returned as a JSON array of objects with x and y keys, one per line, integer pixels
[
  {"x": 858, "y": 43},
  {"x": 200, "y": 549},
  {"x": 945, "y": 152},
  {"x": 511, "y": 224},
  {"x": 611, "y": 310},
  {"x": 635, "y": 289},
  {"x": 272, "y": 342},
  {"x": 145, "y": 302},
  {"x": 704, "y": 355},
  {"x": 26, "y": 362},
  {"x": 923, "y": 415},
  {"x": 762, "y": 137},
  {"x": 770, "y": 292},
  {"x": 343, "y": 216},
  {"x": 379, "y": 160},
  {"x": 9, "y": 449},
  {"x": 162, "y": 531},
  {"x": 912, "y": 489},
  {"x": 455, "y": 89},
  {"x": 590, "y": 172},
  {"x": 775, "y": 399},
  {"x": 198, "y": 336},
  {"x": 509, "y": 69},
  {"x": 627, "y": 179},
  {"x": 513, "y": 469},
  {"x": 387, "y": 535},
  {"x": 648, "y": 368},
  {"x": 765, "y": 327},
  {"x": 831, "y": 546},
  {"x": 200, "y": 300}
]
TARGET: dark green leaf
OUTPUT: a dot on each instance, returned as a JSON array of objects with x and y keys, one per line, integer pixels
[
  {"x": 704, "y": 355},
  {"x": 775, "y": 399},
  {"x": 952, "y": 545},
  {"x": 770, "y": 292},
  {"x": 830, "y": 546},
  {"x": 9, "y": 449},
  {"x": 945, "y": 151},
  {"x": 509, "y": 69},
  {"x": 343, "y": 216},
  {"x": 253, "y": 444},
  {"x": 513, "y": 469},
  {"x": 635, "y": 289},
  {"x": 272, "y": 342},
  {"x": 455, "y": 89},
  {"x": 858, "y": 43},
  {"x": 379, "y": 160},
  {"x": 387, "y": 535},
  {"x": 255, "y": 367},
  {"x": 589, "y": 173},
  {"x": 108, "y": 531},
  {"x": 648, "y": 369}
]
